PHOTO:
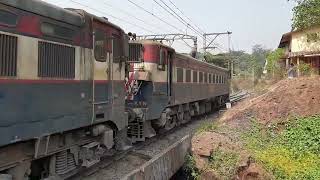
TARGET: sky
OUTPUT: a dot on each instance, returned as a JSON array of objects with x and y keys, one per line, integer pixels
[{"x": 250, "y": 21}]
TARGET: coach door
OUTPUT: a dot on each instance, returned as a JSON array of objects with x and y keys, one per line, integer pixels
[
  {"x": 170, "y": 76},
  {"x": 102, "y": 86}
]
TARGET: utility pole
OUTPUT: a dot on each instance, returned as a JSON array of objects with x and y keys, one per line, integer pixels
[
  {"x": 230, "y": 59},
  {"x": 210, "y": 45}
]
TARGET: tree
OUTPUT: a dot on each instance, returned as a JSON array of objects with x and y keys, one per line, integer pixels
[
  {"x": 258, "y": 60},
  {"x": 218, "y": 60},
  {"x": 306, "y": 14},
  {"x": 273, "y": 58}
]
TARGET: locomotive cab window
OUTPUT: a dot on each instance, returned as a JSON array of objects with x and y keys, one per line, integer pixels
[
  {"x": 162, "y": 60},
  {"x": 8, "y": 18},
  {"x": 100, "y": 46}
]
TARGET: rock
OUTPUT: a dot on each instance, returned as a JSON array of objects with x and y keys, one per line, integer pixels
[
  {"x": 210, "y": 175},
  {"x": 201, "y": 162}
]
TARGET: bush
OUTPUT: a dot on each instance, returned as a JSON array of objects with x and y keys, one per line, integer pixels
[
  {"x": 224, "y": 163},
  {"x": 190, "y": 168},
  {"x": 292, "y": 153},
  {"x": 305, "y": 69}
]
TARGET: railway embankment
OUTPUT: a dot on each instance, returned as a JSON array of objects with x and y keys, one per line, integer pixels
[
  {"x": 274, "y": 135},
  {"x": 157, "y": 158}
]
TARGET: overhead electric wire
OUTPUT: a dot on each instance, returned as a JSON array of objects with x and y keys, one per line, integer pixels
[
  {"x": 120, "y": 19},
  {"x": 201, "y": 32},
  {"x": 186, "y": 16},
  {"x": 177, "y": 16},
  {"x": 164, "y": 21},
  {"x": 131, "y": 15}
]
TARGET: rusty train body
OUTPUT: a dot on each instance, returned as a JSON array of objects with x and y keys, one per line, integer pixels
[{"x": 73, "y": 88}]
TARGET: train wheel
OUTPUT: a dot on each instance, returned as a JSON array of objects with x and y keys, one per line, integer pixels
[
  {"x": 171, "y": 123},
  {"x": 181, "y": 118}
]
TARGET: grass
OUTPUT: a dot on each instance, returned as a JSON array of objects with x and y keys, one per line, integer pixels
[
  {"x": 224, "y": 163},
  {"x": 291, "y": 153},
  {"x": 209, "y": 127},
  {"x": 191, "y": 169}
]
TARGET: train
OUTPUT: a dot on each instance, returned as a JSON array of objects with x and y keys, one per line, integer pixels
[{"x": 75, "y": 87}]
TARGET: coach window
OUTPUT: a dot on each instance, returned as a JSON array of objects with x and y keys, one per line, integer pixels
[
  {"x": 7, "y": 18},
  {"x": 200, "y": 77},
  {"x": 205, "y": 78},
  {"x": 179, "y": 75},
  {"x": 99, "y": 45},
  {"x": 195, "y": 76},
  {"x": 188, "y": 75},
  {"x": 210, "y": 78},
  {"x": 162, "y": 60}
]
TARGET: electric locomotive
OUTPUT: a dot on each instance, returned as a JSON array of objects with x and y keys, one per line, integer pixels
[
  {"x": 166, "y": 88},
  {"x": 73, "y": 88},
  {"x": 62, "y": 95}
]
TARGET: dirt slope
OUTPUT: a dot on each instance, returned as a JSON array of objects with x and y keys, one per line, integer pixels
[
  {"x": 290, "y": 97},
  {"x": 287, "y": 98}
]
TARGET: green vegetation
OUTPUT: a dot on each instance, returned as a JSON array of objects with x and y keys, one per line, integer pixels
[
  {"x": 290, "y": 150},
  {"x": 224, "y": 163},
  {"x": 273, "y": 66},
  {"x": 306, "y": 14},
  {"x": 244, "y": 64},
  {"x": 190, "y": 168},
  {"x": 305, "y": 69},
  {"x": 208, "y": 127}
]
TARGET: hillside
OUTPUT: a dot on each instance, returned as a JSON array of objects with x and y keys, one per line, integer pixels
[{"x": 250, "y": 140}]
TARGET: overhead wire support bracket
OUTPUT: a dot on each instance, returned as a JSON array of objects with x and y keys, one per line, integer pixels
[
  {"x": 215, "y": 36},
  {"x": 171, "y": 38}
]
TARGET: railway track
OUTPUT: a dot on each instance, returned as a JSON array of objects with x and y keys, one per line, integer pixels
[
  {"x": 238, "y": 96},
  {"x": 87, "y": 173},
  {"x": 108, "y": 160}
]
